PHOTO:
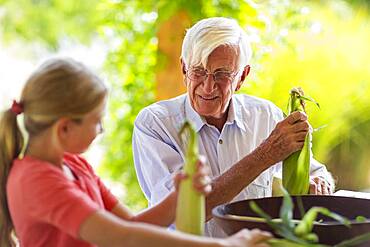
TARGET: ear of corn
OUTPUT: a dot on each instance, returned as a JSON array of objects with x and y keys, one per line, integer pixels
[
  {"x": 190, "y": 211},
  {"x": 296, "y": 168}
]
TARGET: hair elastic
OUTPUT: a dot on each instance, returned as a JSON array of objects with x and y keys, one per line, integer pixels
[{"x": 16, "y": 108}]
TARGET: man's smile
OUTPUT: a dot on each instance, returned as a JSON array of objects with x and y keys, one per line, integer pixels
[{"x": 210, "y": 97}]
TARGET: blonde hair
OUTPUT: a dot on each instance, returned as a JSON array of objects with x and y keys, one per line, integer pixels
[
  {"x": 58, "y": 88},
  {"x": 208, "y": 34}
]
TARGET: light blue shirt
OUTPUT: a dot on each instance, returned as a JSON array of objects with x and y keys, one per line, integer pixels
[{"x": 159, "y": 152}]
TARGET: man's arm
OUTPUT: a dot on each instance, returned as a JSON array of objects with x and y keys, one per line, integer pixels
[
  {"x": 228, "y": 185},
  {"x": 285, "y": 139}
]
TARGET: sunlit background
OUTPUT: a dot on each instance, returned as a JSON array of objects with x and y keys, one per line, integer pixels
[{"x": 323, "y": 46}]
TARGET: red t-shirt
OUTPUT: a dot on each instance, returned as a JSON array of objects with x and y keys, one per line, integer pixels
[{"x": 47, "y": 208}]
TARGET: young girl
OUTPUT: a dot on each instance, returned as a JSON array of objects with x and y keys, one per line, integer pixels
[{"x": 52, "y": 197}]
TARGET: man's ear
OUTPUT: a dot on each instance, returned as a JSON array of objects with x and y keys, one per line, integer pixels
[
  {"x": 183, "y": 67},
  {"x": 245, "y": 73},
  {"x": 183, "y": 70}
]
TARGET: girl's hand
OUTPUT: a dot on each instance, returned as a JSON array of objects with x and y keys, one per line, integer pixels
[
  {"x": 247, "y": 238},
  {"x": 201, "y": 180}
]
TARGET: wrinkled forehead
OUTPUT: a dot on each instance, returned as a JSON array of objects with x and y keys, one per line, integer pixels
[{"x": 225, "y": 55}]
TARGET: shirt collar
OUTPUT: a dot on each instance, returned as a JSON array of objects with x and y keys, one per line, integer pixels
[
  {"x": 234, "y": 115},
  {"x": 193, "y": 116}
]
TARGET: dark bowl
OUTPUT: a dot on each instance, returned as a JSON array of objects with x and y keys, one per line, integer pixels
[{"x": 329, "y": 231}]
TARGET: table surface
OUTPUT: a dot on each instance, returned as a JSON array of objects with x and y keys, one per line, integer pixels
[{"x": 349, "y": 193}]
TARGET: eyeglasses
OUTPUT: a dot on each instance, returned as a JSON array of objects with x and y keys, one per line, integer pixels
[{"x": 220, "y": 77}]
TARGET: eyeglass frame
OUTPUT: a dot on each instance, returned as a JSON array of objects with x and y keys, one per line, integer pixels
[{"x": 232, "y": 75}]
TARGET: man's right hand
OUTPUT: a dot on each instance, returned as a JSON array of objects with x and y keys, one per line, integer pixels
[{"x": 287, "y": 138}]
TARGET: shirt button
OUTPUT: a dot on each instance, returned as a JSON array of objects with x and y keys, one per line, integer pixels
[{"x": 220, "y": 141}]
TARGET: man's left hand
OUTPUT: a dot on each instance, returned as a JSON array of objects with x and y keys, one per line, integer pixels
[{"x": 319, "y": 186}]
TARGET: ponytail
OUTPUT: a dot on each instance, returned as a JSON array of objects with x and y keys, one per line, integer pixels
[{"x": 11, "y": 142}]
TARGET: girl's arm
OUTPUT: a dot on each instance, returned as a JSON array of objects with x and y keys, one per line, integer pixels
[
  {"x": 105, "y": 229},
  {"x": 162, "y": 214}
]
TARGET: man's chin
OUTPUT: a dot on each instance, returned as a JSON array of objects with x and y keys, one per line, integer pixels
[{"x": 206, "y": 113}]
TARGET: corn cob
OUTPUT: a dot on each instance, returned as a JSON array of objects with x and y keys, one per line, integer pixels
[
  {"x": 190, "y": 211},
  {"x": 296, "y": 168}
]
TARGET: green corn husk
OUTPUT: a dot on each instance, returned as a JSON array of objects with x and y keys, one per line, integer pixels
[
  {"x": 190, "y": 211},
  {"x": 305, "y": 226},
  {"x": 296, "y": 168}
]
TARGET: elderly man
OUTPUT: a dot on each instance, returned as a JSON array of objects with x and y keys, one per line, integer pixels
[{"x": 243, "y": 137}]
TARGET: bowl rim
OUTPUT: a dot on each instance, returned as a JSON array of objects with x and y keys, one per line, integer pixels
[{"x": 217, "y": 214}]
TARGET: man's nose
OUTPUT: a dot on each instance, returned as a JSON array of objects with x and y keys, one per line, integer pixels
[{"x": 209, "y": 84}]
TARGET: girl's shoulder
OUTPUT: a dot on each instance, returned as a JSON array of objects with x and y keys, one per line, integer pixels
[
  {"x": 30, "y": 165},
  {"x": 33, "y": 169},
  {"x": 77, "y": 162},
  {"x": 30, "y": 172}
]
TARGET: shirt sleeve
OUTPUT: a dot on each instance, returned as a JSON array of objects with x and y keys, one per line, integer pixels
[
  {"x": 155, "y": 157},
  {"x": 51, "y": 198},
  {"x": 109, "y": 200}
]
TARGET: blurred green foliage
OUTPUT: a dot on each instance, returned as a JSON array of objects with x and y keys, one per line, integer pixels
[
  {"x": 329, "y": 59},
  {"x": 319, "y": 45},
  {"x": 48, "y": 22}
]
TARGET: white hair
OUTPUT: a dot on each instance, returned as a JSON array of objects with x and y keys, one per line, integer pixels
[{"x": 208, "y": 34}]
